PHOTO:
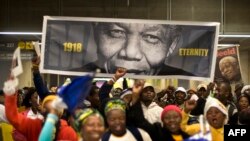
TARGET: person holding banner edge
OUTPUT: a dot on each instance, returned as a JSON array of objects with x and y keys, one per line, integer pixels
[{"x": 31, "y": 128}]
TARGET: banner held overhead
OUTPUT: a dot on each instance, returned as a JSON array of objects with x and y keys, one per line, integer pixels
[{"x": 146, "y": 48}]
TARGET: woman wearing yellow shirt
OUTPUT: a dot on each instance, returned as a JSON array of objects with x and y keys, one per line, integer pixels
[{"x": 214, "y": 112}]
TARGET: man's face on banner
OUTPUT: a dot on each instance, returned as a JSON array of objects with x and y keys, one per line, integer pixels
[
  {"x": 229, "y": 67},
  {"x": 140, "y": 48}
]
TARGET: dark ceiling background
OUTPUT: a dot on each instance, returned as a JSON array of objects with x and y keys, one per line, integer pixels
[{"x": 27, "y": 15}]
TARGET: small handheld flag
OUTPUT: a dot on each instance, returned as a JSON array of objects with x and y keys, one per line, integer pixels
[
  {"x": 17, "y": 67},
  {"x": 204, "y": 134},
  {"x": 75, "y": 92}
]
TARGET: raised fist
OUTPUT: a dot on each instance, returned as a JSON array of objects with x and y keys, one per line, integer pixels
[{"x": 10, "y": 86}]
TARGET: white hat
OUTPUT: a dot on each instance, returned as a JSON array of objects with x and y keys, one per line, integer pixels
[
  {"x": 181, "y": 89},
  {"x": 147, "y": 85},
  {"x": 213, "y": 102},
  {"x": 201, "y": 86},
  {"x": 245, "y": 88}
]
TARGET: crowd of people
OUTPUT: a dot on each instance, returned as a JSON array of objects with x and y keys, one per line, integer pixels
[{"x": 136, "y": 113}]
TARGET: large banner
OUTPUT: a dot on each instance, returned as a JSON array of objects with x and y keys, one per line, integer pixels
[
  {"x": 146, "y": 48},
  {"x": 228, "y": 65}
]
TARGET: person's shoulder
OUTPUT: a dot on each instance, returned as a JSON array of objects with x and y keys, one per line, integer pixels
[
  {"x": 144, "y": 134},
  {"x": 155, "y": 106},
  {"x": 63, "y": 123},
  {"x": 65, "y": 128}
]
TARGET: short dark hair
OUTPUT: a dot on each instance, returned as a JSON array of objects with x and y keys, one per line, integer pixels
[
  {"x": 244, "y": 116},
  {"x": 26, "y": 100},
  {"x": 92, "y": 90}
]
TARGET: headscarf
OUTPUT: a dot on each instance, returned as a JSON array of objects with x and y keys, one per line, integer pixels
[
  {"x": 115, "y": 104},
  {"x": 170, "y": 108},
  {"x": 245, "y": 88},
  {"x": 126, "y": 92},
  {"x": 213, "y": 102},
  {"x": 82, "y": 115}
]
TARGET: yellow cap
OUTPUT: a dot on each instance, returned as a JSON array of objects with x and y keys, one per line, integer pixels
[{"x": 47, "y": 99}]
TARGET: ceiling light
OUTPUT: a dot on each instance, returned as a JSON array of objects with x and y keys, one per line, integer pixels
[
  {"x": 235, "y": 36},
  {"x": 227, "y": 45},
  {"x": 20, "y": 33}
]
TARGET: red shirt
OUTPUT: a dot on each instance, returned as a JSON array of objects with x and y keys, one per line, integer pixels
[{"x": 31, "y": 128}]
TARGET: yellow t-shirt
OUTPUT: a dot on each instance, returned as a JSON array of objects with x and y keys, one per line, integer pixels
[
  {"x": 6, "y": 131},
  {"x": 217, "y": 134},
  {"x": 177, "y": 137}
]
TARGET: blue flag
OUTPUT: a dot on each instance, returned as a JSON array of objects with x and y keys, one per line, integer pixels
[
  {"x": 200, "y": 137},
  {"x": 75, "y": 92}
]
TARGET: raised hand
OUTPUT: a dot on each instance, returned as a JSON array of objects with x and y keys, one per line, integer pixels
[
  {"x": 189, "y": 105},
  {"x": 136, "y": 90},
  {"x": 58, "y": 104},
  {"x": 10, "y": 86},
  {"x": 120, "y": 72},
  {"x": 36, "y": 60},
  {"x": 210, "y": 88},
  {"x": 138, "y": 86}
]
